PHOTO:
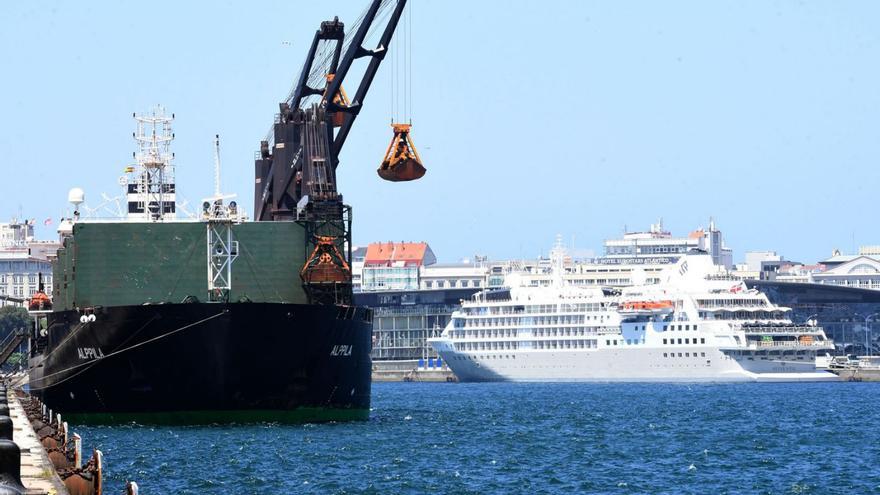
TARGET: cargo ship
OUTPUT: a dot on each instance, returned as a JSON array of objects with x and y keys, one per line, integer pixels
[{"x": 158, "y": 318}]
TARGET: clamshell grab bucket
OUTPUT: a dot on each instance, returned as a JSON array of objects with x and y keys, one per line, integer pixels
[{"x": 401, "y": 162}]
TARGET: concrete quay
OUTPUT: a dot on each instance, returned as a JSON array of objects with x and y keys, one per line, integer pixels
[{"x": 38, "y": 474}]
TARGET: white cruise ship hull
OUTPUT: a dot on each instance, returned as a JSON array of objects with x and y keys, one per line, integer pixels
[{"x": 624, "y": 365}]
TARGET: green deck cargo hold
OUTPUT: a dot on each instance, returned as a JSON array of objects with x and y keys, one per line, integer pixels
[{"x": 125, "y": 263}]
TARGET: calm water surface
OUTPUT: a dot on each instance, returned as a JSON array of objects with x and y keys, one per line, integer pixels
[{"x": 529, "y": 438}]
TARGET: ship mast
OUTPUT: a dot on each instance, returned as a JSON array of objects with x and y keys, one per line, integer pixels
[
  {"x": 222, "y": 248},
  {"x": 150, "y": 190}
]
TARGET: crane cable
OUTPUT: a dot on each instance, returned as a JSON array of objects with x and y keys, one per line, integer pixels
[
  {"x": 401, "y": 72},
  {"x": 324, "y": 56}
]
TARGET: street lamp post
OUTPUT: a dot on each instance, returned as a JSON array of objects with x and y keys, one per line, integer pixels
[{"x": 867, "y": 339}]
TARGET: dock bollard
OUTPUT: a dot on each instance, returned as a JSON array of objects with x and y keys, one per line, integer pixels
[
  {"x": 10, "y": 469},
  {"x": 88, "y": 480},
  {"x": 5, "y": 428}
]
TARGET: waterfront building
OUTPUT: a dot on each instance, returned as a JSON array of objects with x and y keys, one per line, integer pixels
[
  {"x": 636, "y": 258},
  {"x": 658, "y": 246},
  {"x": 798, "y": 272},
  {"x": 394, "y": 265},
  {"x": 403, "y": 321},
  {"x": 463, "y": 275},
  {"x": 22, "y": 260},
  {"x": 860, "y": 271},
  {"x": 849, "y": 315},
  {"x": 412, "y": 297}
]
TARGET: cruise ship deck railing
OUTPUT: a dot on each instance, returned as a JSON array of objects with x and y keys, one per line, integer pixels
[{"x": 799, "y": 329}]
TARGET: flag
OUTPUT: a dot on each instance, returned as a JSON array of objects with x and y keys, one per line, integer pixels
[
  {"x": 129, "y": 170},
  {"x": 47, "y": 222}
]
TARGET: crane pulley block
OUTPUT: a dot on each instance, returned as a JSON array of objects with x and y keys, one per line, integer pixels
[
  {"x": 401, "y": 162},
  {"x": 340, "y": 99}
]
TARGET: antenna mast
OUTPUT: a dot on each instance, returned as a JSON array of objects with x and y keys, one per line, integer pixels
[
  {"x": 216, "y": 165},
  {"x": 150, "y": 189}
]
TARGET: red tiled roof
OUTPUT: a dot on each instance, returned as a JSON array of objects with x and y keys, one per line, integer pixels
[{"x": 388, "y": 252}]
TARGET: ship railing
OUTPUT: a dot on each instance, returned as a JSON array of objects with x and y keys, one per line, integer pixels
[
  {"x": 732, "y": 307},
  {"x": 791, "y": 343},
  {"x": 798, "y": 329},
  {"x": 413, "y": 311}
]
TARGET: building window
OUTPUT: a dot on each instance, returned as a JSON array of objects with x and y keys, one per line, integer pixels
[
  {"x": 702, "y": 341},
  {"x": 429, "y": 284},
  {"x": 440, "y": 284}
]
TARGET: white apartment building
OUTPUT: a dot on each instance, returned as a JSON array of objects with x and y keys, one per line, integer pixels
[{"x": 22, "y": 259}]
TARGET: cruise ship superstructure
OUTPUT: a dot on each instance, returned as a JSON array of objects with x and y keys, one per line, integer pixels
[{"x": 696, "y": 324}]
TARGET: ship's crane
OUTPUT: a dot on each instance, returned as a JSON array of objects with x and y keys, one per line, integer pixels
[
  {"x": 295, "y": 169},
  {"x": 300, "y": 158}
]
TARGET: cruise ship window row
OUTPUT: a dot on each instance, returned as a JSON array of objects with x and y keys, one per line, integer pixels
[
  {"x": 687, "y": 341},
  {"x": 565, "y": 332},
  {"x": 489, "y": 356},
  {"x": 564, "y": 344},
  {"x": 486, "y": 346},
  {"x": 686, "y": 354},
  {"x": 518, "y": 309},
  {"x": 680, "y": 328},
  {"x": 484, "y": 334},
  {"x": 536, "y": 332},
  {"x": 613, "y": 342},
  {"x": 516, "y": 321}
]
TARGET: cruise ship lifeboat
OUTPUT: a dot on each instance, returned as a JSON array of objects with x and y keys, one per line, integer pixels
[{"x": 646, "y": 307}]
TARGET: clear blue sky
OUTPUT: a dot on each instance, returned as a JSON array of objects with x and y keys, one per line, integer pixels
[{"x": 533, "y": 118}]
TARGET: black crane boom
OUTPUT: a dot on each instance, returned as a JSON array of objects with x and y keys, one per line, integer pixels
[{"x": 301, "y": 159}]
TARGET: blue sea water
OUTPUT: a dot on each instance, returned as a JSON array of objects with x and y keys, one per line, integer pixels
[{"x": 529, "y": 438}]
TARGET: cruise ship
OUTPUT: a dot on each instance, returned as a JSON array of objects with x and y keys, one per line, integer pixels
[{"x": 697, "y": 324}]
